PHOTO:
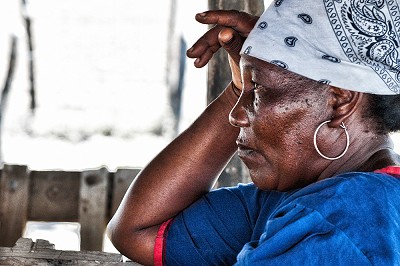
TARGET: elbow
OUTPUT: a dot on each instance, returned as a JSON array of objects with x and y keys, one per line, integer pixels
[
  {"x": 121, "y": 237},
  {"x": 114, "y": 233},
  {"x": 137, "y": 245}
]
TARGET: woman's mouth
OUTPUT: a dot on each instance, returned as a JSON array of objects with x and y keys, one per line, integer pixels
[
  {"x": 250, "y": 156},
  {"x": 244, "y": 151}
]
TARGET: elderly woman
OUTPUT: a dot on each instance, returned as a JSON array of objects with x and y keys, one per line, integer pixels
[{"x": 310, "y": 118}]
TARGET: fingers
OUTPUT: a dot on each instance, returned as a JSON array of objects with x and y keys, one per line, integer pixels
[
  {"x": 231, "y": 28},
  {"x": 205, "y": 47},
  {"x": 211, "y": 41},
  {"x": 240, "y": 21}
]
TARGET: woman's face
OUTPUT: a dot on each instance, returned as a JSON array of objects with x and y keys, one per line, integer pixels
[{"x": 278, "y": 112}]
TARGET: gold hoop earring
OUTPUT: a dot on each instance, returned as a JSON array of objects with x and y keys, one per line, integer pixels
[{"x": 347, "y": 141}]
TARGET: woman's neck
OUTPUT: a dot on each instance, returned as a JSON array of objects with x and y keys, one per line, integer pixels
[
  {"x": 365, "y": 155},
  {"x": 381, "y": 159}
]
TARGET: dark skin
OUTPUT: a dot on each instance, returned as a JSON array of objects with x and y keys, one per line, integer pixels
[
  {"x": 278, "y": 112},
  {"x": 271, "y": 125}
]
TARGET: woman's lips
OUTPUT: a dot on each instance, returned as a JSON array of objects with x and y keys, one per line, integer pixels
[
  {"x": 251, "y": 157},
  {"x": 244, "y": 151}
]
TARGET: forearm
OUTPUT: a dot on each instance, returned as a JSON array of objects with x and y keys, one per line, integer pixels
[{"x": 180, "y": 174}]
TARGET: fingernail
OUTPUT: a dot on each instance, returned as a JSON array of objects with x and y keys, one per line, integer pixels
[
  {"x": 203, "y": 14},
  {"x": 228, "y": 40},
  {"x": 196, "y": 61},
  {"x": 190, "y": 50}
]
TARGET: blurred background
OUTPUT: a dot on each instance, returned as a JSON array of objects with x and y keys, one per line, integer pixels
[
  {"x": 111, "y": 86},
  {"x": 100, "y": 76}
]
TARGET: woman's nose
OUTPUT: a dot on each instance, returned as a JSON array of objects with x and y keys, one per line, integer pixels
[{"x": 238, "y": 116}]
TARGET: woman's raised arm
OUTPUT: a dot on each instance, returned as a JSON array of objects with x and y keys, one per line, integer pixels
[
  {"x": 188, "y": 167},
  {"x": 180, "y": 174}
]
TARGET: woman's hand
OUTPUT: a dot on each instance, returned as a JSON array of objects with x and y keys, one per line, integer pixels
[{"x": 230, "y": 30}]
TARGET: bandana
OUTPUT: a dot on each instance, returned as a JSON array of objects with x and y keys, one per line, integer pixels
[{"x": 350, "y": 44}]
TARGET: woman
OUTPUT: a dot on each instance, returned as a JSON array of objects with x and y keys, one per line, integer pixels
[{"x": 316, "y": 101}]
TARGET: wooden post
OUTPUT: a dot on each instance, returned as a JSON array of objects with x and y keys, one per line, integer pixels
[
  {"x": 176, "y": 61},
  {"x": 93, "y": 208},
  {"x": 219, "y": 76},
  {"x": 14, "y": 191},
  {"x": 6, "y": 90},
  {"x": 31, "y": 56}
]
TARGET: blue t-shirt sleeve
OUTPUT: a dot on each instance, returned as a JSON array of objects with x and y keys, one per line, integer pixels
[
  {"x": 214, "y": 229},
  {"x": 301, "y": 236}
]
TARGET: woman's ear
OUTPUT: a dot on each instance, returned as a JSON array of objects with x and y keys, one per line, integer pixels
[{"x": 344, "y": 104}]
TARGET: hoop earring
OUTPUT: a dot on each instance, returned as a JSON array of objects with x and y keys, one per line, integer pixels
[{"x": 347, "y": 141}]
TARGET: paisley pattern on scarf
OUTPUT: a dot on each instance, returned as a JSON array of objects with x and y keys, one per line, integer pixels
[
  {"x": 350, "y": 44},
  {"x": 368, "y": 32}
]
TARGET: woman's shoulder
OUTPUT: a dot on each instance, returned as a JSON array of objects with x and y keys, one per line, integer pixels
[
  {"x": 357, "y": 212},
  {"x": 350, "y": 185},
  {"x": 360, "y": 192},
  {"x": 247, "y": 192},
  {"x": 353, "y": 201}
]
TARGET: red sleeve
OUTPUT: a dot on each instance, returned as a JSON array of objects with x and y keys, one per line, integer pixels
[
  {"x": 390, "y": 170},
  {"x": 159, "y": 246}
]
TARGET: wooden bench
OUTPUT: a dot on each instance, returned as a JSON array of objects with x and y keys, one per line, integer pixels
[{"x": 88, "y": 197}]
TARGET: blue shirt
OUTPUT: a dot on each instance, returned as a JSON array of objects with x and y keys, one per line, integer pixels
[{"x": 351, "y": 219}]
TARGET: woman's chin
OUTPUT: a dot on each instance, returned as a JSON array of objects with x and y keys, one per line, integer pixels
[{"x": 263, "y": 181}]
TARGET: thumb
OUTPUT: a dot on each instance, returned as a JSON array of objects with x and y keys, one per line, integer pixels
[{"x": 232, "y": 42}]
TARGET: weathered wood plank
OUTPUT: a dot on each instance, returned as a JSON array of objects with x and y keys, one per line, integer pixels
[
  {"x": 93, "y": 208},
  {"x": 22, "y": 245},
  {"x": 14, "y": 187},
  {"x": 42, "y": 244},
  {"x": 47, "y": 262},
  {"x": 54, "y": 196},
  {"x": 17, "y": 261},
  {"x": 62, "y": 255},
  {"x": 122, "y": 179},
  {"x": 27, "y": 252}
]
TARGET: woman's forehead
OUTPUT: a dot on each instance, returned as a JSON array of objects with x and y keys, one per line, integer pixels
[
  {"x": 271, "y": 75},
  {"x": 266, "y": 69},
  {"x": 249, "y": 63}
]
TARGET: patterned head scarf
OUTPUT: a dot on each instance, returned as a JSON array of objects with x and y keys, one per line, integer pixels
[{"x": 350, "y": 44}]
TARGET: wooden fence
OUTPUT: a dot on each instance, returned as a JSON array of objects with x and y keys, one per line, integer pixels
[{"x": 89, "y": 197}]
